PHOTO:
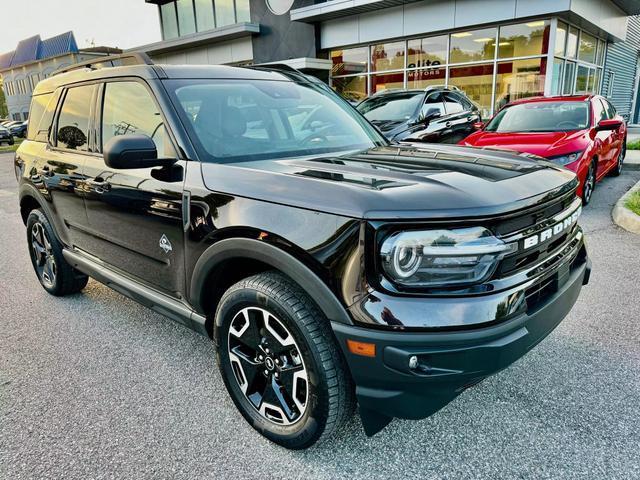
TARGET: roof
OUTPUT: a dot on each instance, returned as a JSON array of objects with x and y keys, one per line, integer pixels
[
  {"x": 34, "y": 49},
  {"x": 151, "y": 72},
  {"x": 558, "y": 98}
]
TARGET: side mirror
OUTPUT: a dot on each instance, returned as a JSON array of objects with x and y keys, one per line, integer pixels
[
  {"x": 478, "y": 125},
  {"x": 133, "y": 151},
  {"x": 608, "y": 124},
  {"x": 429, "y": 115}
]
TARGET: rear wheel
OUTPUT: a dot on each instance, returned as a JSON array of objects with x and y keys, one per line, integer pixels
[
  {"x": 589, "y": 184},
  {"x": 280, "y": 362},
  {"x": 617, "y": 170},
  {"x": 54, "y": 273}
]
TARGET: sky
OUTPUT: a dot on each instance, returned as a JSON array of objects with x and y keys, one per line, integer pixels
[{"x": 114, "y": 23}]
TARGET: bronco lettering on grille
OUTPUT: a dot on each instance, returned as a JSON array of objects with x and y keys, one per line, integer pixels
[{"x": 552, "y": 232}]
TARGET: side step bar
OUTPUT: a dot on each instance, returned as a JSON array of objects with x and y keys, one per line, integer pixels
[{"x": 156, "y": 301}]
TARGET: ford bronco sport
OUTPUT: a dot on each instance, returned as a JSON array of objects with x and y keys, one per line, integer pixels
[{"x": 329, "y": 267}]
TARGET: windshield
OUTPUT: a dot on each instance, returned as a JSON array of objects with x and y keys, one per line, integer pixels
[
  {"x": 243, "y": 119},
  {"x": 541, "y": 117},
  {"x": 391, "y": 108}
]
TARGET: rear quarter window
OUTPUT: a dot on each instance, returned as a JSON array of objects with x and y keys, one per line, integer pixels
[{"x": 39, "y": 105}]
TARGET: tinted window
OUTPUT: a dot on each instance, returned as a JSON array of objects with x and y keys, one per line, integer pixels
[
  {"x": 259, "y": 119},
  {"x": 38, "y": 106},
  {"x": 541, "y": 117},
  {"x": 611, "y": 111},
  {"x": 433, "y": 106},
  {"x": 129, "y": 109},
  {"x": 599, "y": 111},
  {"x": 452, "y": 103},
  {"x": 73, "y": 123}
]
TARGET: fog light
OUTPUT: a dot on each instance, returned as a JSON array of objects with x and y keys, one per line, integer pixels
[{"x": 413, "y": 362}]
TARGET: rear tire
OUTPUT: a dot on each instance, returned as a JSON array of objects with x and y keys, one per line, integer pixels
[
  {"x": 617, "y": 170},
  {"x": 56, "y": 276},
  {"x": 280, "y": 362}
]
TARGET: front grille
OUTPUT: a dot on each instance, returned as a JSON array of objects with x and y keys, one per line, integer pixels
[{"x": 546, "y": 218}]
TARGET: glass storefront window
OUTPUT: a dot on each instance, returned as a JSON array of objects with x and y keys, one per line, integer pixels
[
  {"x": 387, "y": 81},
  {"x": 561, "y": 39},
  {"x": 354, "y": 89},
  {"x": 427, "y": 52},
  {"x": 225, "y": 13},
  {"x": 476, "y": 81},
  {"x": 597, "y": 79},
  {"x": 582, "y": 79},
  {"x": 524, "y": 40},
  {"x": 204, "y": 15},
  {"x": 242, "y": 11},
  {"x": 350, "y": 60},
  {"x": 186, "y": 17},
  {"x": 426, "y": 77},
  {"x": 473, "y": 46},
  {"x": 556, "y": 76},
  {"x": 387, "y": 56},
  {"x": 572, "y": 43},
  {"x": 169, "y": 21},
  {"x": 602, "y": 47},
  {"x": 519, "y": 79},
  {"x": 569, "y": 73},
  {"x": 588, "y": 46}
]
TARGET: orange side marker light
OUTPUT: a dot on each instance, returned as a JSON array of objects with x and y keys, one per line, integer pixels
[{"x": 361, "y": 348}]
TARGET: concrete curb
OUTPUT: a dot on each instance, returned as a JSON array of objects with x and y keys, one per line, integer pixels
[{"x": 624, "y": 217}]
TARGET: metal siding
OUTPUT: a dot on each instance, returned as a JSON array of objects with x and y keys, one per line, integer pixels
[{"x": 622, "y": 60}]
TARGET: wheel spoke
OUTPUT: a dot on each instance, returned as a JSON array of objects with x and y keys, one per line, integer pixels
[
  {"x": 275, "y": 396},
  {"x": 279, "y": 340}
]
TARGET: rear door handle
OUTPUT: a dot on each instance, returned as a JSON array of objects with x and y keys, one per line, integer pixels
[{"x": 99, "y": 185}]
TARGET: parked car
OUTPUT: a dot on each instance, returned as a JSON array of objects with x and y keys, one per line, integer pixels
[
  {"x": 255, "y": 206},
  {"x": 582, "y": 133},
  {"x": 19, "y": 129},
  {"x": 436, "y": 114},
  {"x": 5, "y": 136}
]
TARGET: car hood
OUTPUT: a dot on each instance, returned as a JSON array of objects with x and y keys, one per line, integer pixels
[
  {"x": 544, "y": 144},
  {"x": 397, "y": 182}
]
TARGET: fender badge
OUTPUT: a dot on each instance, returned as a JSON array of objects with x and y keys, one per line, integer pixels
[{"x": 165, "y": 244}]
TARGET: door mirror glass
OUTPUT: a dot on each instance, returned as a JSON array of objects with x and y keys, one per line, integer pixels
[
  {"x": 430, "y": 114},
  {"x": 133, "y": 151}
]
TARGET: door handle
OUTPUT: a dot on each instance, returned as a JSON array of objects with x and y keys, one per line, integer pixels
[
  {"x": 46, "y": 171},
  {"x": 448, "y": 124},
  {"x": 99, "y": 185}
]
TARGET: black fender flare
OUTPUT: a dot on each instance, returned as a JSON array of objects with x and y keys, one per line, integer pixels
[{"x": 264, "y": 252}]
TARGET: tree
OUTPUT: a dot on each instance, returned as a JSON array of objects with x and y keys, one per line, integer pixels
[{"x": 4, "y": 111}]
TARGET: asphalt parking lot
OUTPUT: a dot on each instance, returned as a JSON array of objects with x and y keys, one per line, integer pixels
[{"x": 96, "y": 386}]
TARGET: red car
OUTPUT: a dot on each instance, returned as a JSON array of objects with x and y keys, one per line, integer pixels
[{"x": 582, "y": 133}]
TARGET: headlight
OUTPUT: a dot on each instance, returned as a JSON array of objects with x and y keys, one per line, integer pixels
[
  {"x": 437, "y": 258},
  {"x": 566, "y": 159}
]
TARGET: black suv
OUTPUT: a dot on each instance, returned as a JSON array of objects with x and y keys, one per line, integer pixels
[
  {"x": 255, "y": 206},
  {"x": 437, "y": 114}
]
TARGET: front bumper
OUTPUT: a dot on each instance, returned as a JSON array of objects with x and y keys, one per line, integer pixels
[{"x": 448, "y": 362}]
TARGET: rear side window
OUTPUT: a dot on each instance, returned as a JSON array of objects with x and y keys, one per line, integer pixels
[
  {"x": 452, "y": 103},
  {"x": 38, "y": 107},
  {"x": 73, "y": 122},
  {"x": 129, "y": 109}
]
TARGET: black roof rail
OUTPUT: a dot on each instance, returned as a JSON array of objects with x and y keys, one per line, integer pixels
[
  {"x": 274, "y": 66},
  {"x": 136, "y": 58}
]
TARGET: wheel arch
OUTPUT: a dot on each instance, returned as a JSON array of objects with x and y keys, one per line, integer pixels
[{"x": 231, "y": 259}]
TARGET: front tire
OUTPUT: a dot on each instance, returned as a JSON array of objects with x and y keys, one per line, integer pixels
[
  {"x": 589, "y": 184},
  {"x": 54, "y": 273},
  {"x": 280, "y": 362}
]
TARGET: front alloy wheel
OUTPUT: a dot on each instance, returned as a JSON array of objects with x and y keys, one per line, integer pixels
[
  {"x": 280, "y": 362},
  {"x": 267, "y": 365},
  {"x": 589, "y": 184}
]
